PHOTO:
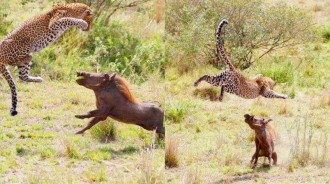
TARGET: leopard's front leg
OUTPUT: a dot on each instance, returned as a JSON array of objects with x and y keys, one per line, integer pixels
[
  {"x": 12, "y": 86},
  {"x": 268, "y": 93},
  {"x": 62, "y": 24}
]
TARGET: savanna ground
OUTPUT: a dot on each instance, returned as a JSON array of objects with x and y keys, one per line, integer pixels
[
  {"x": 209, "y": 142},
  {"x": 39, "y": 146}
]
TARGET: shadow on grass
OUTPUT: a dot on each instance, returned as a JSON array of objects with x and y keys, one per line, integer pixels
[
  {"x": 129, "y": 150},
  {"x": 252, "y": 175}
]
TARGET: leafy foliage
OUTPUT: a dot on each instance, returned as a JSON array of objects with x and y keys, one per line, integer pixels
[
  {"x": 255, "y": 29},
  {"x": 111, "y": 47}
]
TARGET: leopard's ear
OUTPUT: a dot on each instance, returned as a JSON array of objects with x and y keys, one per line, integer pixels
[
  {"x": 58, "y": 6},
  {"x": 58, "y": 10}
]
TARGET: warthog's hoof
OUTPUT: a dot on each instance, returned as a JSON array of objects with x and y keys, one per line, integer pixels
[
  {"x": 80, "y": 116},
  {"x": 80, "y": 132},
  {"x": 196, "y": 83}
]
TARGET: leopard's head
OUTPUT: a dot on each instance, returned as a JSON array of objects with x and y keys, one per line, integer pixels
[{"x": 75, "y": 10}]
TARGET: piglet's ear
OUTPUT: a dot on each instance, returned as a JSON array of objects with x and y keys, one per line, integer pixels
[
  {"x": 113, "y": 77},
  {"x": 106, "y": 77},
  {"x": 246, "y": 115},
  {"x": 268, "y": 120}
]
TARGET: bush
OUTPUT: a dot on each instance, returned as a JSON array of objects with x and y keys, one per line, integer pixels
[
  {"x": 325, "y": 33},
  {"x": 254, "y": 30},
  {"x": 5, "y": 24},
  {"x": 104, "y": 49},
  {"x": 105, "y": 131},
  {"x": 177, "y": 111},
  {"x": 279, "y": 69}
]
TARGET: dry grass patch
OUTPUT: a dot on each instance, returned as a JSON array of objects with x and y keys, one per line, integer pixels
[
  {"x": 207, "y": 93},
  {"x": 308, "y": 145},
  {"x": 149, "y": 173},
  {"x": 317, "y": 8},
  {"x": 192, "y": 176},
  {"x": 171, "y": 153}
]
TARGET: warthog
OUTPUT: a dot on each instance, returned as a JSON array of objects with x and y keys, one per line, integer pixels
[
  {"x": 264, "y": 139},
  {"x": 114, "y": 99}
]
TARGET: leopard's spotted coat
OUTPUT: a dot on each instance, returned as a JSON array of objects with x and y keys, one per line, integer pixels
[
  {"x": 233, "y": 81},
  {"x": 35, "y": 34}
]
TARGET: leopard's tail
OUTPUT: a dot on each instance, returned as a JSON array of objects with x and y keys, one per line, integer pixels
[{"x": 221, "y": 52}]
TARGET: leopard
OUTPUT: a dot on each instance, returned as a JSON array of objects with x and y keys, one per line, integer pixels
[
  {"x": 233, "y": 81},
  {"x": 33, "y": 35}
]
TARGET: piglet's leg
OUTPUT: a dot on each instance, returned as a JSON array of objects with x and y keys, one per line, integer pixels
[
  {"x": 95, "y": 113},
  {"x": 256, "y": 156},
  {"x": 269, "y": 159},
  {"x": 274, "y": 157},
  {"x": 91, "y": 124},
  {"x": 253, "y": 157}
]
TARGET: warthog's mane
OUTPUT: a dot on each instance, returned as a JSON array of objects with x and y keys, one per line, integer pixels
[{"x": 123, "y": 87}]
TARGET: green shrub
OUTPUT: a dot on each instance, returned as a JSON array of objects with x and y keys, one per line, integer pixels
[
  {"x": 5, "y": 24},
  {"x": 279, "y": 69},
  {"x": 104, "y": 131},
  {"x": 177, "y": 111},
  {"x": 325, "y": 33},
  {"x": 255, "y": 29},
  {"x": 103, "y": 49}
]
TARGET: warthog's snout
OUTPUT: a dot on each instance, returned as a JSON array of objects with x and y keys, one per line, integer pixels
[
  {"x": 79, "y": 74},
  {"x": 81, "y": 78}
]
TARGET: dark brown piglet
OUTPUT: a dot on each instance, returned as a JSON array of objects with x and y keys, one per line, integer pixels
[{"x": 264, "y": 139}]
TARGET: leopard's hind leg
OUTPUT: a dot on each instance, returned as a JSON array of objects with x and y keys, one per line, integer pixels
[
  {"x": 12, "y": 86},
  {"x": 24, "y": 70},
  {"x": 213, "y": 80}
]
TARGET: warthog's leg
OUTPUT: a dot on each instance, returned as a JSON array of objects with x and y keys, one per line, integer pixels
[
  {"x": 91, "y": 123},
  {"x": 95, "y": 113},
  {"x": 161, "y": 132}
]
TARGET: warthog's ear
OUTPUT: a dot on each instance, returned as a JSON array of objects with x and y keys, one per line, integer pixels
[
  {"x": 113, "y": 77},
  {"x": 246, "y": 115}
]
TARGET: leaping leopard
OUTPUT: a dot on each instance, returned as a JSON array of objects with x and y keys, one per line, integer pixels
[
  {"x": 35, "y": 34},
  {"x": 232, "y": 81}
]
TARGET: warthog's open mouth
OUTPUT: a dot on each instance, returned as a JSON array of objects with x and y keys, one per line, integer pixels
[{"x": 81, "y": 78}]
